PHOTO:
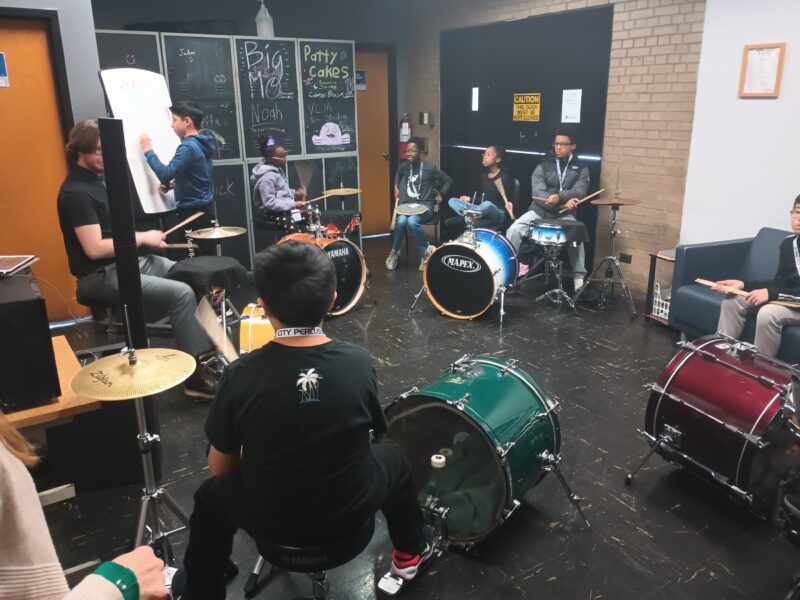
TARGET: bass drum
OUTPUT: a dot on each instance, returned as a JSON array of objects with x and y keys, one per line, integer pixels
[
  {"x": 492, "y": 423},
  {"x": 351, "y": 270},
  {"x": 721, "y": 414},
  {"x": 463, "y": 278}
]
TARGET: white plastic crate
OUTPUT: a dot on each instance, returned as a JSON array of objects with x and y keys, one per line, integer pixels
[{"x": 661, "y": 300}]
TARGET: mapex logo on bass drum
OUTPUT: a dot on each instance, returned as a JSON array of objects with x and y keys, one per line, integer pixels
[{"x": 461, "y": 263}]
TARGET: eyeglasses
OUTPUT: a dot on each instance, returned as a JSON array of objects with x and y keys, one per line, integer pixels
[{"x": 562, "y": 144}]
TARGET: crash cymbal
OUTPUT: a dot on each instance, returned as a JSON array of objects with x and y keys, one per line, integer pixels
[
  {"x": 615, "y": 200},
  {"x": 216, "y": 233},
  {"x": 113, "y": 378}
]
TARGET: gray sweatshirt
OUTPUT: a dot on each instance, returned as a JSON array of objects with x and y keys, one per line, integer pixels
[{"x": 271, "y": 191}]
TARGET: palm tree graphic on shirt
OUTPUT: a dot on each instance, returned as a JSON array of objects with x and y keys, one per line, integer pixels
[{"x": 308, "y": 385}]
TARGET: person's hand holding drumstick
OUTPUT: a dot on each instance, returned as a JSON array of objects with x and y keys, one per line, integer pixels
[
  {"x": 300, "y": 197},
  {"x": 571, "y": 203},
  {"x": 553, "y": 199},
  {"x": 756, "y": 297}
]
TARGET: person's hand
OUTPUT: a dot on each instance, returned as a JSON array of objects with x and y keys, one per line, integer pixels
[
  {"x": 300, "y": 203},
  {"x": 300, "y": 192},
  {"x": 438, "y": 198},
  {"x": 571, "y": 203},
  {"x": 149, "y": 571},
  {"x": 725, "y": 285},
  {"x": 552, "y": 199},
  {"x": 165, "y": 187},
  {"x": 510, "y": 209},
  {"x": 758, "y": 297},
  {"x": 466, "y": 199},
  {"x": 152, "y": 237},
  {"x": 145, "y": 143}
]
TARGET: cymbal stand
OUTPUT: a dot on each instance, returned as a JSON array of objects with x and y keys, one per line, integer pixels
[{"x": 613, "y": 274}]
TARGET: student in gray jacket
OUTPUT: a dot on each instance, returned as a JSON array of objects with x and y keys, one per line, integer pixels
[
  {"x": 271, "y": 192},
  {"x": 562, "y": 180}
]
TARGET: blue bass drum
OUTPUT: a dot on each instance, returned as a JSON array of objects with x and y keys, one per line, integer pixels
[{"x": 463, "y": 278}]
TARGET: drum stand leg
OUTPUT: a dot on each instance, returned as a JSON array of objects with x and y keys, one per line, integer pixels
[
  {"x": 154, "y": 496},
  {"x": 551, "y": 464},
  {"x": 502, "y": 305},
  {"x": 554, "y": 265},
  {"x": 416, "y": 299},
  {"x": 662, "y": 439}
]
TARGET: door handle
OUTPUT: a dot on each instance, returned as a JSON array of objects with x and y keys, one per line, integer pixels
[{"x": 385, "y": 155}]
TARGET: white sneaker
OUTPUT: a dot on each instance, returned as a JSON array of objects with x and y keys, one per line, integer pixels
[
  {"x": 391, "y": 260},
  {"x": 428, "y": 251},
  {"x": 578, "y": 282}
]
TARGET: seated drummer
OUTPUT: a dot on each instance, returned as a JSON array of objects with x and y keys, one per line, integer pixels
[
  {"x": 289, "y": 435},
  {"x": 770, "y": 318},
  {"x": 417, "y": 182},
  {"x": 86, "y": 227},
  {"x": 271, "y": 192},
  {"x": 563, "y": 180},
  {"x": 491, "y": 205}
]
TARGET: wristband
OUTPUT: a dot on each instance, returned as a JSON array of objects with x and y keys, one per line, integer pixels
[{"x": 122, "y": 577}]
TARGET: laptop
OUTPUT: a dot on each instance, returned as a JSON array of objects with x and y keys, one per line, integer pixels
[{"x": 11, "y": 265}]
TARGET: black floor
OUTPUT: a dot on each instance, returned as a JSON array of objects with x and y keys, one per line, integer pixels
[{"x": 669, "y": 535}]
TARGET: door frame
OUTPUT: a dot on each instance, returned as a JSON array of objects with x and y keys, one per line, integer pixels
[
  {"x": 50, "y": 17},
  {"x": 394, "y": 120}
]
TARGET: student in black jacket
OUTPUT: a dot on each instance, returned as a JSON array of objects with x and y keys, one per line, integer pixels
[{"x": 770, "y": 318}]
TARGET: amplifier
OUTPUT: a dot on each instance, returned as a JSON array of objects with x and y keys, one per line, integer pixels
[{"x": 28, "y": 375}]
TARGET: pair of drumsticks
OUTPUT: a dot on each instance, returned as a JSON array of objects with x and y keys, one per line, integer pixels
[
  {"x": 563, "y": 210},
  {"x": 730, "y": 290}
]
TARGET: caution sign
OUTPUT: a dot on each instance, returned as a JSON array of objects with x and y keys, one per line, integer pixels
[{"x": 527, "y": 107}]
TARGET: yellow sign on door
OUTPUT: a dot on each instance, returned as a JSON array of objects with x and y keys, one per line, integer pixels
[{"x": 527, "y": 106}]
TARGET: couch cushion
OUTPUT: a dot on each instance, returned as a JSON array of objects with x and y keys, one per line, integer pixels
[
  {"x": 761, "y": 261},
  {"x": 697, "y": 307},
  {"x": 790, "y": 345}
]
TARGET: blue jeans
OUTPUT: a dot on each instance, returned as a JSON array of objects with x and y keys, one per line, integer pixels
[
  {"x": 491, "y": 216},
  {"x": 413, "y": 223}
]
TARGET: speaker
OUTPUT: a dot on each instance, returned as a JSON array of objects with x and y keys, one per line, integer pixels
[{"x": 28, "y": 375}]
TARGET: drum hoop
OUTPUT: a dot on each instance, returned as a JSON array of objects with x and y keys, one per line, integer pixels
[
  {"x": 439, "y": 306},
  {"x": 504, "y": 240},
  {"x": 362, "y": 284},
  {"x": 499, "y": 461},
  {"x": 672, "y": 375},
  {"x": 755, "y": 424}
]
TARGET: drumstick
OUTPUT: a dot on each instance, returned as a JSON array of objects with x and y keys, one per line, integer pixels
[
  {"x": 502, "y": 189},
  {"x": 305, "y": 171},
  {"x": 744, "y": 293},
  {"x": 196, "y": 215},
  {"x": 540, "y": 199},
  {"x": 337, "y": 192},
  {"x": 193, "y": 246},
  {"x": 598, "y": 192}
]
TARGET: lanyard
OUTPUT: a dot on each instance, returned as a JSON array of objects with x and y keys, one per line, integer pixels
[
  {"x": 410, "y": 190},
  {"x": 562, "y": 176},
  {"x": 298, "y": 332},
  {"x": 796, "y": 255}
]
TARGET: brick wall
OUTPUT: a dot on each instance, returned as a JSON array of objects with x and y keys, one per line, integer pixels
[{"x": 652, "y": 80}]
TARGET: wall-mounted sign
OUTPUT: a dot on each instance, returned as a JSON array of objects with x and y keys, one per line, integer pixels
[
  {"x": 3, "y": 70},
  {"x": 361, "y": 80},
  {"x": 527, "y": 107}
]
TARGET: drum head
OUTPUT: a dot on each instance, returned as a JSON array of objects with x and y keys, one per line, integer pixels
[
  {"x": 472, "y": 484},
  {"x": 458, "y": 281},
  {"x": 351, "y": 274}
]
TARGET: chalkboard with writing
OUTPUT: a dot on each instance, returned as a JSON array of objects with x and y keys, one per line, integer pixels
[
  {"x": 268, "y": 91},
  {"x": 329, "y": 107},
  {"x": 342, "y": 172},
  {"x": 120, "y": 50},
  {"x": 231, "y": 200},
  {"x": 201, "y": 69}
]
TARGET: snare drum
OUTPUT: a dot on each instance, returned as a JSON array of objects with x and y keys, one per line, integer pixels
[
  {"x": 255, "y": 329},
  {"x": 720, "y": 413},
  {"x": 493, "y": 424},
  {"x": 548, "y": 235},
  {"x": 463, "y": 278},
  {"x": 351, "y": 270}
]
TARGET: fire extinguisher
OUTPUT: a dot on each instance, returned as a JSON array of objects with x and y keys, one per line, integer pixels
[{"x": 405, "y": 134}]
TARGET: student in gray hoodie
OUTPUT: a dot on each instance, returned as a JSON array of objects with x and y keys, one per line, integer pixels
[{"x": 271, "y": 192}]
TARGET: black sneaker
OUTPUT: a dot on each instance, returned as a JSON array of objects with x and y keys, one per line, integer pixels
[{"x": 199, "y": 387}]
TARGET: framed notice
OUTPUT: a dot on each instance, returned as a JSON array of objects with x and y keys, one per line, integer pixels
[{"x": 762, "y": 67}]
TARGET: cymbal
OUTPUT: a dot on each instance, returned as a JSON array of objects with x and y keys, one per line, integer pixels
[
  {"x": 216, "y": 233},
  {"x": 113, "y": 378},
  {"x": 615, "y": 200}
]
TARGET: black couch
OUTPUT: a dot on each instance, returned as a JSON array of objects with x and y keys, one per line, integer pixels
[{"x": 694, "y": 308}]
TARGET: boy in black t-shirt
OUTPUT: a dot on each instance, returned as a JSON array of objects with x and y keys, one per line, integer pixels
[{"x": 289, "y": 436}]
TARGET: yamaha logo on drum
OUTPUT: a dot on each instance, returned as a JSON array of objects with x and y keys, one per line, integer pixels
[
  {"x": 461, "y": 263},
  {"x": 339, "y": 252}
]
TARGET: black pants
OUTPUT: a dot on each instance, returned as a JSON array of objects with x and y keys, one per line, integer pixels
[{"x": 219, "y": 511}]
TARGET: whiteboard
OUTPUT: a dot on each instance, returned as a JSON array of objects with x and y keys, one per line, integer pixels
[{"x": 141, "y": 99}]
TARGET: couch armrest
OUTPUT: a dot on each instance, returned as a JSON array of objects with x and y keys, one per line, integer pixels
[{"x": 712, "y": 260}]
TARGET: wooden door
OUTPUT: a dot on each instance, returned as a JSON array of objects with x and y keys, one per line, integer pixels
[
  {"x": 373, "y": 142},
  {"x": 34, "y": 162}
]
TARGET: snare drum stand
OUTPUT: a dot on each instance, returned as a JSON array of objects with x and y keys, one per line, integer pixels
[
  {"x": 555, "y": 265},
  {"x": 613, "y": 275}
]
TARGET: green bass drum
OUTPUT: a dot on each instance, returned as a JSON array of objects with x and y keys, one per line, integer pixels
[{"x": 492, "y": 424}]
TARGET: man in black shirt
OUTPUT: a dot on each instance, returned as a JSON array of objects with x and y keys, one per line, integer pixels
[
  {"x": 86, "y": 227},
  {"x": 289, "y": 435},
  {"x": 770, "y": 318}
]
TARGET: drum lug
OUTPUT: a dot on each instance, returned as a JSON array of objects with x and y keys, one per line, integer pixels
[
  {"x": 515, "y": 504},
  {"x": 461, "y": 402},
  {"x": 462, "y": 364},
  {"x": 512, "y": 363},
  {"x": 405, "y": 395},
  {"x": 502, "y": 451}
]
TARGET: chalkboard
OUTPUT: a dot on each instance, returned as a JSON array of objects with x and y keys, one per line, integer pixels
[
  {"x": 268, "y": 91},
  {"x": 308, "y": 174},
  {"x": 342, "y": 171},
  {"x": 329, "y": 107},
  {"x": 118, "y": 49},
  {"x": 201, "y": 69},
  {"x": 231, "y": 200}
]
